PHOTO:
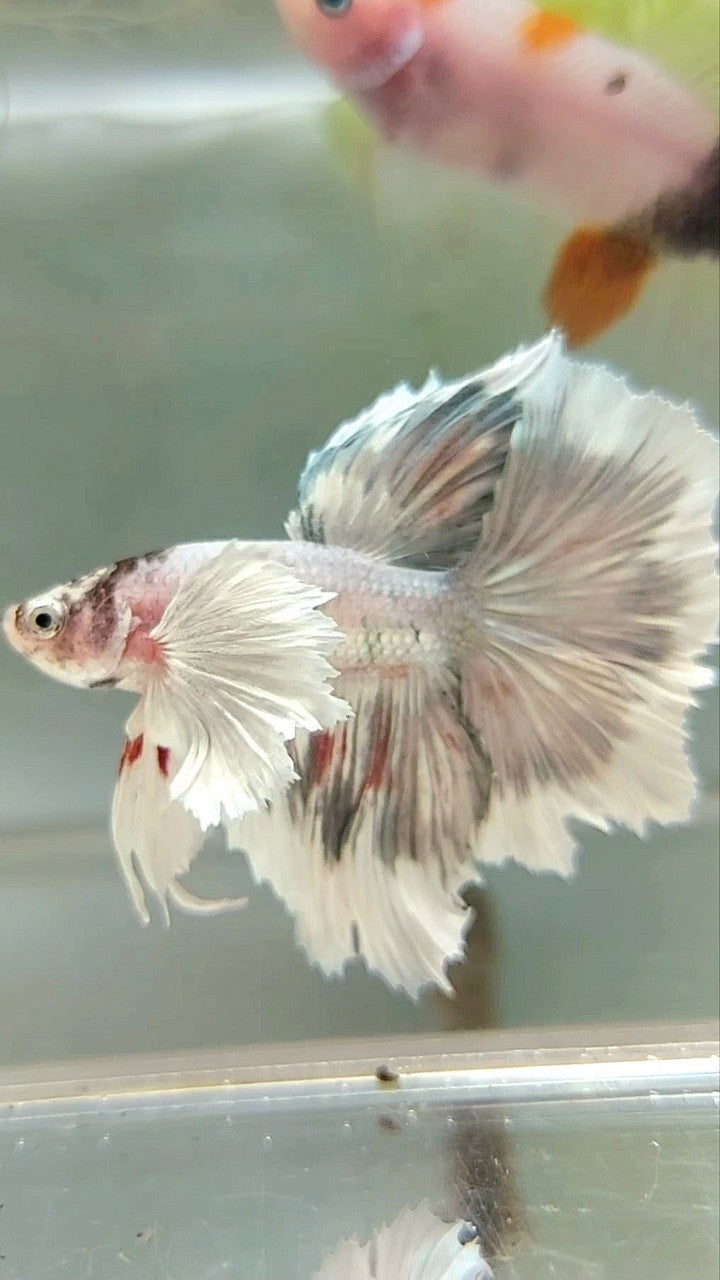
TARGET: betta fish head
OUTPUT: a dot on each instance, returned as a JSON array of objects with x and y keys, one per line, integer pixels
[
  {"x": 79, "y": 632},
  {"x": 361, "y": 43}
]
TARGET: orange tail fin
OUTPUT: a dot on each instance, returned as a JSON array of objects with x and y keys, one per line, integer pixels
[{"x": 598, "y": 276}]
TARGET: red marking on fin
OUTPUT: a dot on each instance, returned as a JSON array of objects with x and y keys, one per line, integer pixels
[
  {"x": 542, "y": 31},
  {"x": 375, "y": 777},
  {"x": 131, "y": 751},
  {"x": 163, "y": 759},
  {"x": 322, "y": 753}
]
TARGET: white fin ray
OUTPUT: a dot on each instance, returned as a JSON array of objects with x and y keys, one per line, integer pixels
[
  {"x": 411, "y": 477},
  {"x": 417, "y": 1245},
  {"x": 244, "y": 668},
  {"x": 370, "y": 848},
  {"x": 594, "y": 593},
  {"x": 154, "y": 833}
]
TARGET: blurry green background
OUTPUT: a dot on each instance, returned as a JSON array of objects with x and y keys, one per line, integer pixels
[{"x": 192, "y": 293}]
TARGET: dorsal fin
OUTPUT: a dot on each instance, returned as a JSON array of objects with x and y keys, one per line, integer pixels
[{"x": 411, "y": 478}]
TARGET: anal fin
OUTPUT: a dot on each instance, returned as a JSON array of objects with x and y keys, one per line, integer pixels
[{"x": 370, "y": 847}]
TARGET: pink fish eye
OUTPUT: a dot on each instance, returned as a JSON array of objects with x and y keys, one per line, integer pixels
[
  {"x": 333, "y": 8},
  {"x": 45, "y": 620}
]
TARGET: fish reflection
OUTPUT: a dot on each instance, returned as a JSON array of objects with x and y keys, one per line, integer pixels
[
  {"x": 416, "y": 1245},
  {"x": 481, "y": 1187},
  {"x": 531, "y": 97}
]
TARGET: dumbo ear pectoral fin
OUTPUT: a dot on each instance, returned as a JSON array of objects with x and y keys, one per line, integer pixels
[
  {"x": 155, "y": 838},
  {"x": 244, "y": 667}
]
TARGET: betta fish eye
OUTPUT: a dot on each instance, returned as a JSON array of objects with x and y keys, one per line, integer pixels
[
  {"x": 333, "y": 8},
  {"x": 45, "y": 620}
]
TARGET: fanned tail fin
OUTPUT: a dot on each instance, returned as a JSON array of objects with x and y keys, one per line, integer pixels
[
  {"x": 590, "y": 598},
  {"x": 596, "y": 279}
]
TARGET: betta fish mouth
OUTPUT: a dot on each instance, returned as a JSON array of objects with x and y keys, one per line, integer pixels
[{"x": 375, "y": 62}]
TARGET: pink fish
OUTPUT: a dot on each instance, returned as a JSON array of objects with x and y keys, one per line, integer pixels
[
  {"x": 529, "y": 99},
  {"x": 486, "y": 621}
]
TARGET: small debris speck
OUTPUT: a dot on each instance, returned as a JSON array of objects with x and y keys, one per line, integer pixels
[{"x": 384, "y": 1075}]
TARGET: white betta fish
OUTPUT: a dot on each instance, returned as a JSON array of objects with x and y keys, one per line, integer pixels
[
  {"x": 415, "y": 1246},
  {"x": 486, "y": 621}
]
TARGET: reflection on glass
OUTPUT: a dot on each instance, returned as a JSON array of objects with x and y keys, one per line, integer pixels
[{"x": 415, "y": 1246}]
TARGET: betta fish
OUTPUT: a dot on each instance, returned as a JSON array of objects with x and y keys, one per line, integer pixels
[
  {"x": 417, "y": 1245},
  {"x": 547, "y": 108},
  {"x": 486, "y": 620}
]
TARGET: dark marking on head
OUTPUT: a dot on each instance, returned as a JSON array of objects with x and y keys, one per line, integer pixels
[
  {"x": 101, "y": 598},
  {"x": 110, "y": 683},
  {"x": 130, "y": 563},
  {"x": 617, "y": 83},
  {"x": 117, "y": 573},
  {"x": 388, "y": 1124},
  {"x": 163, "y": 759},
  {"x": 385, "y": 1076}
]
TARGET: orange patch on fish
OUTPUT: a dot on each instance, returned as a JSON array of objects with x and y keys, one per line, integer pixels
[
  {"x": 543, "y": 31},
  {"x": 597, "y": 277}
]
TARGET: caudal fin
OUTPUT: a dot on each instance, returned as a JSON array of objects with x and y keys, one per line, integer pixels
[
  {"x": 591, "y": 596},
  {"x": 597, "y": 278}
]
